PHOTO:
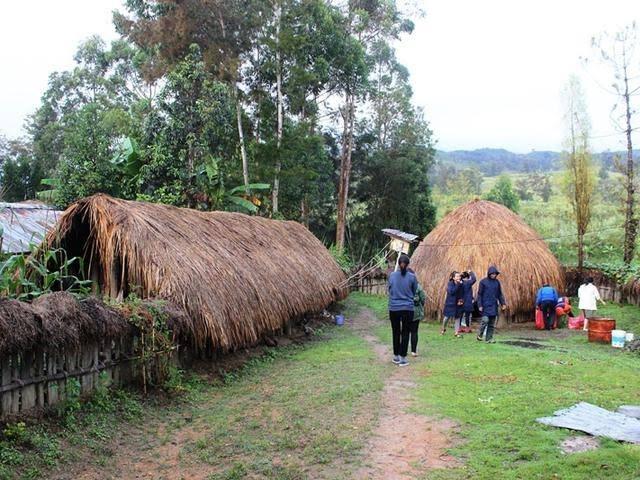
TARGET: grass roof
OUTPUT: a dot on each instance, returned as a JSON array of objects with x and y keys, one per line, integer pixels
[{"x": 238, "y": 277}]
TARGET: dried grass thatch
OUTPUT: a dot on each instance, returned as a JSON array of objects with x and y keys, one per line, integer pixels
[
  {"x": 57, "y": 321},
  {"x": 238, "y": 277},
  {"x": 479, "y": 234}
]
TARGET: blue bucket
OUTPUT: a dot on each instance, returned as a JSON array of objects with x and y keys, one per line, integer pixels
[{"x": 339, "y": 319}]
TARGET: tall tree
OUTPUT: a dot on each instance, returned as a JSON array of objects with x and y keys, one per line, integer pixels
[
  {"x": 369, "y": 21},
  {"x": 223, "y": 29},
  {"x": 619, "y": 52},
  {"x": 579, "y": 182}
]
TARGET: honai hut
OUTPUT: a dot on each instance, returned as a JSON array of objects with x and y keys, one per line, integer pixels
[
  {"x": 479, "y": 234},
  {"x": 238, "y": 277}
]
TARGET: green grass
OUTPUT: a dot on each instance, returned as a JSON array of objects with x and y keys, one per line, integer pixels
[
  {"x": 295, "y": 412},
  {"x": 497, "y": 391},
  {"x": 308, "y": 410}
]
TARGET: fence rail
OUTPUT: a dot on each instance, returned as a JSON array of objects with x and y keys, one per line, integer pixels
[{"x": 39, "y": 379}]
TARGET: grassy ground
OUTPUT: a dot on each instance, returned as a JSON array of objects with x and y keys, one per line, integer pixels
[
  {"x": 297, "y": 412},
  {"x": 497, "y": 391},
  {"x": 306, "y": 411}
]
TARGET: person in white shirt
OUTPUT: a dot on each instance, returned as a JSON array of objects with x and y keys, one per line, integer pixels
[{"x": 588, "y": 297}]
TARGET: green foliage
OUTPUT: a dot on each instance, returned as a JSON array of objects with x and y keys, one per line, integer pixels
[
  {"x": 26, "y": 276},
  {"x": 342, "y": 258},
  {"x": 503, "y": 193},
  {"x": 502, "y": 389}
]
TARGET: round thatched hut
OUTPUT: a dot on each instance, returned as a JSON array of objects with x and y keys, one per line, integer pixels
[
  {"x": 479, "y": 234},
  {"x": 238, "y": 277}
]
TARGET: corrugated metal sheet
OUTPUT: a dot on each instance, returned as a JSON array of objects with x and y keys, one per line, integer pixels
[
  {"x": 596, "y": 421},
  {"x": 24, "y": 224},
  {"x": 407, "y": 237}
]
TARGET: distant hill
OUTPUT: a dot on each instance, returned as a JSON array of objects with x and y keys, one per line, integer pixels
[{"x": 494, "y": 161}]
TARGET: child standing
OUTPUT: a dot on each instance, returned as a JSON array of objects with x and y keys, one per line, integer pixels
[
  {"x": 468, "y": 279},
  {"x": 419, "y": 300},
  {"x": 453, "y": 303}
]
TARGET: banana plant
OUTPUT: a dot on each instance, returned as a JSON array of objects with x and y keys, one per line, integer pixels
[{"x": 237, "y": 197}]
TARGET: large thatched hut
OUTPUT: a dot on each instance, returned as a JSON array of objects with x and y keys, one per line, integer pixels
[
  {"x": 238, "y": 277},
  {"x": 479, "y": 234}
]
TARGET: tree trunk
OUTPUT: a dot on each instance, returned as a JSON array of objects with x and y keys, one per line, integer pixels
[
  {"x": 580, "y": 252},
  {"x": 278, "y": 167},
  {"x": 304, "y": 211},
  {"x": 243, "y": 149},
  {"x": 345, "y": 170},
  {"x": 630, "y": 222}
]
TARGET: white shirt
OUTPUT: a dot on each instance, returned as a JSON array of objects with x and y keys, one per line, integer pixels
[{"x": 588, "y": 296}]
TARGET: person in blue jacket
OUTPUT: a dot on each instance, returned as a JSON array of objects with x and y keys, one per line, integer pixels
[
  {"x": 402, "y": 289},
  {"x": 468, "y": 279},
  {"x": 546, "y": 301},
  {"x": 489, "y": 296},
  {"x": 453, "y": 303}
]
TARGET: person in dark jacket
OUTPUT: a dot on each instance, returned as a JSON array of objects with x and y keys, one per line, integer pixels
[
  {"x": 468, "y": 279},
  {"x": 489, "y": 296},
  {"x": 402, "y": 290},
  {"x": 453, "y": 303},
  {"x": 546, "y": 301}
]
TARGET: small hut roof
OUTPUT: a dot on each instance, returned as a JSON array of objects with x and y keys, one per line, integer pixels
[
  {"x": 24, "y": 224},
  {"x": 479, "y": 234},
  {"x": 238, "y": 277}
]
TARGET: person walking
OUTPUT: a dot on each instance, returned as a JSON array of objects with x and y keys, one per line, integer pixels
[
  {"x": 419, "y": 301},
  {"x": 588, "y": 298},
  {"x": 546, "y": 300},
  {"x": 453, "y": 303},
  {"x": 402, "y": 290},
  {"x": 468, "y": 280},
  {"x": 489, "y": 296}
]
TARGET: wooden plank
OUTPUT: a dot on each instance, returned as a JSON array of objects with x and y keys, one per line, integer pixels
[
  {"x": 5, "y": 379},
  {"x": 16, "y": 362},
  {"x": 86, "y": 380},
  {"x": 27, "y": 372},
  {"x": 53, "y": 387},
  {"x": 40, "y": 371}
]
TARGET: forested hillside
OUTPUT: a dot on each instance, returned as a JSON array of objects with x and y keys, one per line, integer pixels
[{"x": 291, "y": 109}]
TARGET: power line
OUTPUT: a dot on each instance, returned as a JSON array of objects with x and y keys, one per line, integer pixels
[{"x": 536, "y": 239}]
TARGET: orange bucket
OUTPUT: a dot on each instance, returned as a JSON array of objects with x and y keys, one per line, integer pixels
[{"x": 600, "y": 329}]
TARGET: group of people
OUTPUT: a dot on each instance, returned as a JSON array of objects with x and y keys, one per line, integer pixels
[
  {"x": 407, "y": 300},
  {"x": 554, "y": 306}
]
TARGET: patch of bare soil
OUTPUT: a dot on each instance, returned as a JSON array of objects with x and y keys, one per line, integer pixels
[
  {"x": 404, "y": 444},
  {"x": 579, "y": 444}
]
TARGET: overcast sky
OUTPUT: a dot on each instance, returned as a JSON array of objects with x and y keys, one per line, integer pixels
[{"x": 488, "y": 73}]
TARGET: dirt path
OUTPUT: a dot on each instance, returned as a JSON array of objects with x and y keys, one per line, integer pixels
[{"x": 404, "y": 444}]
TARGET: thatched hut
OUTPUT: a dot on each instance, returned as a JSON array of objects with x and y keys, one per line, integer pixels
[
  {"x": 479, "y": 234},
  {"x": 238, "y": 277}
]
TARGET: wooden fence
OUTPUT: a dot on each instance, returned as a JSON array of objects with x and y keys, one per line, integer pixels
[{"x": 39, "y": 379}]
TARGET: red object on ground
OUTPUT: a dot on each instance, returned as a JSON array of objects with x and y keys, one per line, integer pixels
[
  {"x": 576, "y": 323},
  {"x": 600, "y": 329},
  {"x": 539, "y": 319}
]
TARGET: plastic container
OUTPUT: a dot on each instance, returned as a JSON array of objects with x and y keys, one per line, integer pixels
[
  {"x": 600, "y": 329},
  {"x": 339, "y": 319},
  {"x": 629, "y": 337},
  {"x": 617, "y": 338}
]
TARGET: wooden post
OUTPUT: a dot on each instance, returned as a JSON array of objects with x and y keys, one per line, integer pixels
[{"x": 5, "y": 398}]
